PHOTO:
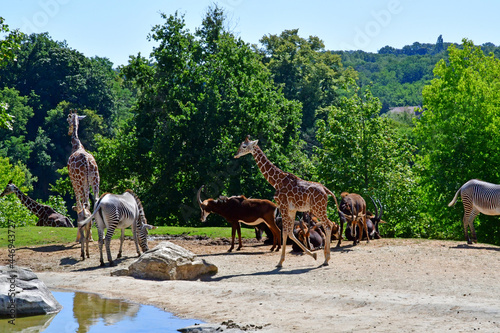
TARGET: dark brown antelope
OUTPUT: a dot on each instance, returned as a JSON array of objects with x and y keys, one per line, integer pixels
[{"x": 238, "y": 209}]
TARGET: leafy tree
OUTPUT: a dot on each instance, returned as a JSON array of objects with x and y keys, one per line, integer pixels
[
  {"x": 362, "y": 153},
  {"x": 11, "y": 209},
  {"x": 458, "y": 136},
  {"x": 306, "y": 73},
  {"x": 12, "y": 140},
  {"x": 8, "y": 46},
  {"x": 197, "y": 100}
]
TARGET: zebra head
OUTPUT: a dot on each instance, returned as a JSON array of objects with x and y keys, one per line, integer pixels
[{"x": 143, "y": 235}]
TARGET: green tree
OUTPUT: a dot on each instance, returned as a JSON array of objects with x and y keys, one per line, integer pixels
[
  {"x": 306, "y": 72},
  {"x": 362, "y": 153},
  {"x": 458, "y": 136},
  {"x": 8, "y": 47},
  {"x": 198, "y": 99},
  {"x": 11, "y": 209},
  {"x": 12, "y": 140}
]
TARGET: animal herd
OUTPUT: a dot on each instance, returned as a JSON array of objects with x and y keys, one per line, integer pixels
[{"x": 292, "y": 195}]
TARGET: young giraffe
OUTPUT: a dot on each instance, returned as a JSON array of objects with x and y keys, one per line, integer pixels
[
  {"x": 47, "y": 216},
  {"x": 293, "y": 195},
  {"x": 83, "y": 172}
]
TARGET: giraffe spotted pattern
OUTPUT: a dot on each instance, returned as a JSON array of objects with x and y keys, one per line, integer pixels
[
  {"x": 47, "y": 216},
  {"x": 293, "y": 195},
  {"x": 84, "y": 174}
]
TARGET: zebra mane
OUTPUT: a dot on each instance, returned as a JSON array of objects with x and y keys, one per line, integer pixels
[{"x": 142, "y": 216}]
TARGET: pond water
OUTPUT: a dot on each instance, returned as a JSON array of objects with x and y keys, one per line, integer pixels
[{"x": 86, "y": 312}]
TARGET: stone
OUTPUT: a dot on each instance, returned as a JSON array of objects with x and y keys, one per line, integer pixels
[
  {"x": 168, "y": 261},
  {"x": 30, "y": 295},
  {"x": 120, "y": 272},
  {"x": 209, "y": 328}
]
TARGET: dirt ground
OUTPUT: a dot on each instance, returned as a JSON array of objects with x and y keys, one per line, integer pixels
[{"x": 388, "y": 285}]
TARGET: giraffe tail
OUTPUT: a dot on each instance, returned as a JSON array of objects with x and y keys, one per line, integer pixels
[{"x": 333, "y": 195}]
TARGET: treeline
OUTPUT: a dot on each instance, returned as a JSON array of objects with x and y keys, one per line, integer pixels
[
  {"x": 165, "y": 124},
  {"x": 397, "y": 76}
]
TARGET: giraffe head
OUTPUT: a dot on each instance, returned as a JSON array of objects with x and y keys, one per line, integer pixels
[
  {"x": 73, "y": 120},
  {"x": 246, "y": 147},
  {"x": 10, "y": 188}
]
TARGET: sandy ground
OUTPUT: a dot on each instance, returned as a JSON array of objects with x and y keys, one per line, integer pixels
[{"x": 389, "y": 285}]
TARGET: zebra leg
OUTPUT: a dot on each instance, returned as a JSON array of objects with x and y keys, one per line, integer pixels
[
  {"x": 473, "y": 232},
  {"x": 107, "y": 242},
  {"x": 468, "y": 221},
  {"x": 122, "y": 237},
  {"x": 100, "y": 234},
  {"x": 136, "y": 241}
]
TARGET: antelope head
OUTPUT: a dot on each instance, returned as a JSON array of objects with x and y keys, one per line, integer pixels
[{"x": 203, "y": 205}]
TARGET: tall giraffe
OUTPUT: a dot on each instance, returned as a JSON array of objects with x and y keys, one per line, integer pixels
[
  {"x": 293, "y": 195},
  {"x": 83, "y": 172},
  {"x": 47, "y": 216}
]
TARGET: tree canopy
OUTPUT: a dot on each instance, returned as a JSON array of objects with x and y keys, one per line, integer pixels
[
  {"x": 458, "y": 133},
  {"x": 169, "y": 122}
]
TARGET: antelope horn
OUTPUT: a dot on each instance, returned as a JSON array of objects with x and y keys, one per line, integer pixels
[
  {"x": 376, "y": 208},
  {"x": 198, "y": 195},
  {"x": 381, "y": 208}
]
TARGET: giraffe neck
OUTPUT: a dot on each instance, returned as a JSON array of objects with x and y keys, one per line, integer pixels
[
  {"x": 75, "y": 141},
  {"x": 272, "y": 173},
  {"x": 31, "y": 204}
]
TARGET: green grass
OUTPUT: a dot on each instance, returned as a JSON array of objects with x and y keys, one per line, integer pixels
[{"x": 29, "y": 236}]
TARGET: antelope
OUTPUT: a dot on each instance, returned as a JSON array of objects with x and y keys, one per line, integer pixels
[
  {"x": 238, "y": 209},
  {"x": 354, "y": 205}
]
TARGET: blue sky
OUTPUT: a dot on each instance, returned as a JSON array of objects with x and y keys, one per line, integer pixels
[{"x": 116, "y": 29}]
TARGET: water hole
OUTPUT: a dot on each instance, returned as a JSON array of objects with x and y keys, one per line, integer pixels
[{"x": 91, "y": 313}]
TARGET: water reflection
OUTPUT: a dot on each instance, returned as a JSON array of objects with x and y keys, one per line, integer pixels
[
  {"x": 89, "y": 313},
  {"x": 89, "y": 309}
]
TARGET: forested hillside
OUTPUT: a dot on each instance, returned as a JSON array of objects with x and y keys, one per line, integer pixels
[
  {"x": 397, "y": 76},
  {"x": 171, "y": 121}
]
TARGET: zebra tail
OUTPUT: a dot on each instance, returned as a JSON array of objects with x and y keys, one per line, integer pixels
[
  {"x": 454, "y": 198},
  {"x": 96, "y": 209}
]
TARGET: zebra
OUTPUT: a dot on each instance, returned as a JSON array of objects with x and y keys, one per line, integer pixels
[
  {"x": 477, "y": 197},
  {"x": 119, "y": 211}
]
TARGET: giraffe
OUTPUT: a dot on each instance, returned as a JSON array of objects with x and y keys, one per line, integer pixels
[
  {"x": 47, "y": 216},
  {"x": 83, "y": 172},
  {"x": 293, "y": 195}
]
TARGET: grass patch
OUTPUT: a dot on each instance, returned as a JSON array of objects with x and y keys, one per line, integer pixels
[{"x": 31, "y": 236}]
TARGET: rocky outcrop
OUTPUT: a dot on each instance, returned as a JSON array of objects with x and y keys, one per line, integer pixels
[
  {"x": 23, "y": 294},
  {"x": 168, "y": 261}
]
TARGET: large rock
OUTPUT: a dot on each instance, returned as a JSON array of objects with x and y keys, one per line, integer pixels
[
  {"x": 31, "y": 296},
  {"x": 168, "y": 261}
]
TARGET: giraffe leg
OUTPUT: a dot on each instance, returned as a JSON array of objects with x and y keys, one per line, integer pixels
[
  {"x": 326, "y": 249},
  {"x": 288, "y": 218},
  {"x": 341, "y": 232},
  {"x": 321, "y": 215},
  {"x": 88, "y": 228},
  {"x": 81, "y": 239}
]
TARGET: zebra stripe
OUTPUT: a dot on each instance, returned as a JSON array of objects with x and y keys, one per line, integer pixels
[
  {"x": 119, "y": 211},
  {"x": 477, "y": 197}
]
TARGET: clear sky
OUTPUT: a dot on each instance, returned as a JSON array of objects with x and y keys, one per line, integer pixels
[{"x": 116, "y": 29}]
